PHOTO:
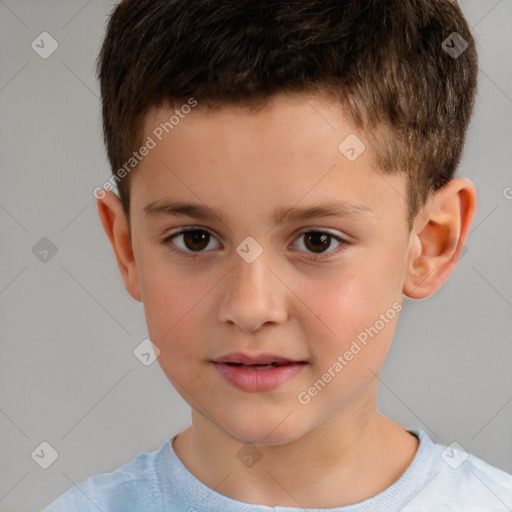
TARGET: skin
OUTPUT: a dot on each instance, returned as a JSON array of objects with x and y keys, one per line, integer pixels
[{"x": 337, "y": 449}]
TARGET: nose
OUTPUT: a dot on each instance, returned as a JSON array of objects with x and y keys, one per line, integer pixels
[{"x": 253, "y": 296}]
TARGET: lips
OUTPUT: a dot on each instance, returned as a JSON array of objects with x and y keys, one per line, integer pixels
[
  {"x": 258, "y": 379},
  {"x": 242, "y": 358},
  {"x": 257, "y": 372}
]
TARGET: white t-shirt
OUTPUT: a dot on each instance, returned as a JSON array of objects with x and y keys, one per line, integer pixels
[{"x": 439, "y": 479}]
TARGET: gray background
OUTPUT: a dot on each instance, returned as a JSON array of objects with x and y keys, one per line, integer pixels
[{"x": 68, "y": 375}]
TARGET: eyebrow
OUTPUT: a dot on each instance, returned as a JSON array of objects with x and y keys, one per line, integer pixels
[{"x": 200, "y": 211}]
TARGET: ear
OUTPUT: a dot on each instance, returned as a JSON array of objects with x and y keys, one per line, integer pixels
[
  {"x": 438, "y": 237},
  {"x": 116, "y": 228}
]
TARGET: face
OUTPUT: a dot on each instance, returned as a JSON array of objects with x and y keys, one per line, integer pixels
[{"x": 323, "y": 288}]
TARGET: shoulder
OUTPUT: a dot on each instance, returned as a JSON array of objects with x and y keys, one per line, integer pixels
[
  {"x": 134, "y": 486},
  {"x": 458, "y": 480}
]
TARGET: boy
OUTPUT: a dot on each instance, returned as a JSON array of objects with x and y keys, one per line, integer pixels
[{"x": 285, "y": 173}]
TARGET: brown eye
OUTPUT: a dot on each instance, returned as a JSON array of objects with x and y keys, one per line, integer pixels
[
  {"x": 196, "y": 240},
  {"x": 317, "y": 241},
  {"x": 190, "y": 242},
  {"x": 318, "y": 244}
]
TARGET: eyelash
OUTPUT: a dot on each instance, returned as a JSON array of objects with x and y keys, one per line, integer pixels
[{"x": 313, "y": 256}]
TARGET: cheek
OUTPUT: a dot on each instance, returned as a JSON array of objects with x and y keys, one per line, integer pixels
[
  {"x": 355, "y": 313},
  {"x": 350, "y": 343},
  {"x": 171, "y": 302},
  {"x": 347, "y": 303},
  {"x": 171, "y": 310}
]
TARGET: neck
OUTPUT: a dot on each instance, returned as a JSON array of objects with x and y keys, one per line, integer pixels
[{"x": 349, "y": 458}]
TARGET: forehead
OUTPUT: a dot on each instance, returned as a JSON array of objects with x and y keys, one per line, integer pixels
[{"x": 293, "y": 149}]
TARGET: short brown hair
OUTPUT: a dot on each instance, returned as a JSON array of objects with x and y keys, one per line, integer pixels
[{"x": 383, "y": 59}]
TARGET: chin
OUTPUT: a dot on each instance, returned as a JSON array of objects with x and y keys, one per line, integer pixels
[{"x": 266, "y": 432}]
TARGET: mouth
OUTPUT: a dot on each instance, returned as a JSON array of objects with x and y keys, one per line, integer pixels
[
  {"x": 260, "y": 366},
  {"x": 261, "y": 372},
  {"x": 262, "y": 361}
]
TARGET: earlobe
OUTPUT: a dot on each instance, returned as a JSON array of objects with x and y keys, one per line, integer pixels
[
  {"x": 438, "y": 238},
  {"x": 116, "y": 228}
]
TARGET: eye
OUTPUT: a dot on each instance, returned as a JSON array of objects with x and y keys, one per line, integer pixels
[
  {"x": 318, "y": 242},
  {"x": 193, "y": 241}
]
